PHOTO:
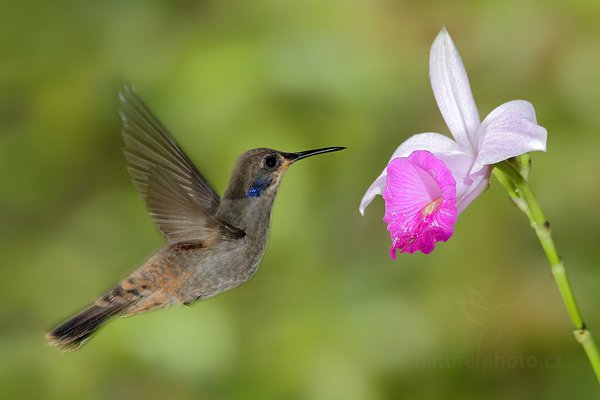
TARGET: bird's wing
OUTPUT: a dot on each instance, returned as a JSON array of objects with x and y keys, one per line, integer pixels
[{"x": 179, "y": 199}]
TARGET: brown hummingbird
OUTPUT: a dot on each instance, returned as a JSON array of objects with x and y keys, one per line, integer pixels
[{"x": 213, "y": 244}]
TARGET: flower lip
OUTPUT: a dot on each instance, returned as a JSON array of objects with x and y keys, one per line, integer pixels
[
  {"x": 420, "y": 199},
  {"x": 431, "y": 207}
]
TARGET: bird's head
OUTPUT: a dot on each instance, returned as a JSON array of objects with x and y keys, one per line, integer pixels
[{"x": 258, "y": 172}]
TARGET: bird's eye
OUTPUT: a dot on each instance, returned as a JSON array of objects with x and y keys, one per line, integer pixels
[{"x": 271, "y": 162}]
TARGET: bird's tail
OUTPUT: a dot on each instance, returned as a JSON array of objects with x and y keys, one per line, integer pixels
[{"x": 73, "y": 333}]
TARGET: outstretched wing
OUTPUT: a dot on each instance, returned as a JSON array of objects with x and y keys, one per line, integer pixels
[{"x": 178, "y": 197}]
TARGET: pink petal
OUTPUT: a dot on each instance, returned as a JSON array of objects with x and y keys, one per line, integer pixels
[
  {"x": 452, "y": 91},
  {"x": 432, "y": 142},
  {"x": 420, "y": 197},
  {"x": 508, "y": 131}
]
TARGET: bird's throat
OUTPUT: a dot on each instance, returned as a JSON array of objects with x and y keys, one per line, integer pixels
[
  {"x": 250, "y": 214},
  {"x": 258, "y": 187}
]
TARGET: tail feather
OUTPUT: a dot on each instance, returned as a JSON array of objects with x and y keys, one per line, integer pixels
[{"x": 73, "y": 333}]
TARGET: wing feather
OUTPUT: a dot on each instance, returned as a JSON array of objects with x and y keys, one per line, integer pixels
[{"x": 179, "y": 199}]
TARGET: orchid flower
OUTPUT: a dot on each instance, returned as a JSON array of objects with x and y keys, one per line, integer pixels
[{"x": 431, "y": 178}]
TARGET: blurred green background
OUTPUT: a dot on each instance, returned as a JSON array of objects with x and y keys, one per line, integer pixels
[{"x": 329, "y": 315}]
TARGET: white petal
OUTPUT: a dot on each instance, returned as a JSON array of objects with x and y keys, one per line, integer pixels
[
  {"x": 508, "y": 131},
  {"x": 452, "y": 90},
  {"x": 375, "y": 189},
  {"x": 432, "y": 142}
]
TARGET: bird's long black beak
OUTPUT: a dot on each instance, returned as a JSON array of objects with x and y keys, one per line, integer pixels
[{"x": 293, "y": 157}]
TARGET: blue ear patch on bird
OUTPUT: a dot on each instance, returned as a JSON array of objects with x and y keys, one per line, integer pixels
[{"x": 258, "y": 187}]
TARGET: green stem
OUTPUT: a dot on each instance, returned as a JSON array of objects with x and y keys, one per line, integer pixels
[{"x": 520, "y": 192}]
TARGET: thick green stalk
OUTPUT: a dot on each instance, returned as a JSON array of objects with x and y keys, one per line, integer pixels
[{"x": 520, "y": 192}]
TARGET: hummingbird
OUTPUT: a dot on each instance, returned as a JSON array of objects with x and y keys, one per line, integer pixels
[{"x": 213, "y": 244}]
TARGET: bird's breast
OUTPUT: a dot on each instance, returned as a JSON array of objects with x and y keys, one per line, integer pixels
[{"x": 222, "y": 266}]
